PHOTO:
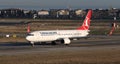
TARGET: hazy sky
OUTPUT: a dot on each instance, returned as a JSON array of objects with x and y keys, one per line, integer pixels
[{"x": 50, "y": 4}]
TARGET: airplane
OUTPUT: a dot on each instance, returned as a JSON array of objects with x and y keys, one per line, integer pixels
[{"x": 63, "y": 36}]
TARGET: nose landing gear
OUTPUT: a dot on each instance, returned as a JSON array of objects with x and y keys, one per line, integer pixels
[{"x": 32, "y": 44}]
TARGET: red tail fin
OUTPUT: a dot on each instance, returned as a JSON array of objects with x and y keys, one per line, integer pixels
[
  {"x": 86, "y": 23},
  {"x": 28, "y": 28}
]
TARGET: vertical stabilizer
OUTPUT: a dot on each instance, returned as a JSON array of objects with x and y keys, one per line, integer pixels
[{"x": 86, "y": 23}]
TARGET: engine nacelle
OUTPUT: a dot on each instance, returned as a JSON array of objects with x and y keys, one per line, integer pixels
[{"x": 66, "y": 41}]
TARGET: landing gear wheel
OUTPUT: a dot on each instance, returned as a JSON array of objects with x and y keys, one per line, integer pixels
[
  {"x": 32, "y": 44},
  {"x": 62, "y": 41}
]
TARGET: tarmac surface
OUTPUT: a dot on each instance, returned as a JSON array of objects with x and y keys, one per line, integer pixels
[{"x": 93, "y": 43}]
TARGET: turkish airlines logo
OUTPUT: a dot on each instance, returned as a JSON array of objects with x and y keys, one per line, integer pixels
[{"x": 86, "y": 22}]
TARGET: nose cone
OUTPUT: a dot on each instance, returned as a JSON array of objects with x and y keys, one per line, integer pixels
[{"x": 28, "y": 38}]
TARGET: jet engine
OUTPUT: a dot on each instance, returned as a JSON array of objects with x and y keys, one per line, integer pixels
[{"x": 66, "y": 41}]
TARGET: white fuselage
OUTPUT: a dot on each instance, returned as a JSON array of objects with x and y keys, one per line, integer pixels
[{"x": 52, "y": 35}]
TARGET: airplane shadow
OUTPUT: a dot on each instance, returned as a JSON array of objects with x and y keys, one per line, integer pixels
[{"x": 22, "y": 44}]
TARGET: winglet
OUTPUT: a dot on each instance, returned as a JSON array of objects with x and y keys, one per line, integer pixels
[
  {"x": 86, "y": 23},
  {"x": 28, "y": 28}
]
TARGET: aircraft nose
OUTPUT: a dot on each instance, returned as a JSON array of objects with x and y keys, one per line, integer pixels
[{"x": 28, "y": 38}]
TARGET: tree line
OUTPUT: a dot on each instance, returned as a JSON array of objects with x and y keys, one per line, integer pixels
[{"x": 59, "y": 14}]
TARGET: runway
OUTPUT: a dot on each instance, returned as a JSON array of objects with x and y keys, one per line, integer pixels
[{"x": 91, "y": 43}]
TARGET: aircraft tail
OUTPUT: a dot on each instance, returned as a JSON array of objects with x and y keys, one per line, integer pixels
[{"x": 86, "y": 23}]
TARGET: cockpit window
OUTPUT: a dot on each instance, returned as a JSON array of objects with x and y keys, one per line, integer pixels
[{"x": 30, "y": 34}]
